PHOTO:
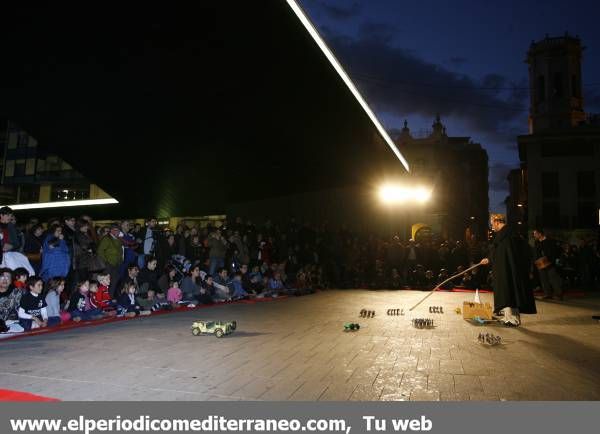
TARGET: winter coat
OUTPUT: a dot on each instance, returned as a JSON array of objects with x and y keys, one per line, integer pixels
[
  {"x": 56, "y": 260},
  {"x": 218, "y": 247},
  {"x": 110, "y": 249},
  {"x": 82, "y": 247},
  {"x": 9, "y": 303}
]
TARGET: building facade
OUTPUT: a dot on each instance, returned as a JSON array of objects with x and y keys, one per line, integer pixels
[
  {"x": 457, "y": 169},
  {"x": 31, "y": 174},
  {"x": 560, "y": 156}
]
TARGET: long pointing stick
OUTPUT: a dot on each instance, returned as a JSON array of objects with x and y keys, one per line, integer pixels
[{"x": 444, "y": 282}]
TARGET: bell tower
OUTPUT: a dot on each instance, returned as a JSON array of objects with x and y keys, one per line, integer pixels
[{"x": 556, "y": 101}]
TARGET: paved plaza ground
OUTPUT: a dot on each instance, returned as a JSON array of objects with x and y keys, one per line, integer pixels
[{"x": 295, "y": 349}]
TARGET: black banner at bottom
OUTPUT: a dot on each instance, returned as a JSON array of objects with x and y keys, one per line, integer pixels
[{"x": 306, "y": 417}]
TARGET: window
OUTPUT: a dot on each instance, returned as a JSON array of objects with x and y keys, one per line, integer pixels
[
  {"x": 70, "y": 192},
  {"x": 30, "y": 166},
  {"x": 22, "y": 140},
  {"x": 20, "y": 168},
  {"x": 586, "y": 184},
  {"x": 587, "y": 214},
  {"x": 53, "y": 163},
  {"x": 541, "y": 89},
  {"x": 550, "y": 188},
  {"x": 558, "y": 85},
  {"x": 29, "y": 193},
  {"x": 12, "y": 141},
  {"x": 10, "y": 168},
  {"x": 560, "y": 149},
  {"x": 551, "y": 214}
]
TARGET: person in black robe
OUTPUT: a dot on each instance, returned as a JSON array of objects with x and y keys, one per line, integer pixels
[{"x": 510, "y": 260}]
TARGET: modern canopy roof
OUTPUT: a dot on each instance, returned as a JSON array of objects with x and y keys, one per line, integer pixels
[{"x": 179, "y": 111}]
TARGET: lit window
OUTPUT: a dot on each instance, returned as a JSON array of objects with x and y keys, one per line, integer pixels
[{"x": 10, "y": 168}]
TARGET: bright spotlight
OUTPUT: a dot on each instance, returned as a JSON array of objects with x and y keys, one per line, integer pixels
[
  {"x": 391, "y": 194},
  {"x": 421, "y": 194}
]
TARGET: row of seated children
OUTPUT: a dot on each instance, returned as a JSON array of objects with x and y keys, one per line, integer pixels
[{"x": 90, "y": 301}]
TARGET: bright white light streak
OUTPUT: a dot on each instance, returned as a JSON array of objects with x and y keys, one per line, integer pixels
[
  {"x": 67, "y": 203},
  {"x": 340, "y": 70}
]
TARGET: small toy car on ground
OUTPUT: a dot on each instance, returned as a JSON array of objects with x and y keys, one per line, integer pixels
[
  {"x": 350, "y": 326},
  {"x": 218, "y": 328}
]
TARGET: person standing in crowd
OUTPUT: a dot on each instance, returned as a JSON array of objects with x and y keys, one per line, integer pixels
[
  {"x": 149, "y": 241},
  {"x": 110, "y": 250},
  {"x": 547, "y": 252},
  {"x": 218, "y": 248},
  {"x": 8, "y": 232},
  {"x": 33, "y": 246},
  {"x": 510, "y": 269},
  {"x": 56, "y": 260},
  {"x": 129, "y": 246},
  {"x": 83, "y": 251}
]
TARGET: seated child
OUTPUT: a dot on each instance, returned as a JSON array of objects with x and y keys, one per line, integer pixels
[
  {"x": 223, "y": 285},
  {"x": 21, "y": 276},
  {"x": 56, "y": 315},
  {"x": 101, "y": 297},
  {"x": 80, "y": 305},
  {"x": 154, "y": 301},
  {"x": 174, "y": 294},
  {"x": 33, "y": 312},
  {"x": 207, "y": 291},
  {"x": 256, "y": 284},
  {"x": 273, "y": 286},
  {"x": 238, "y": 289},
  {"x": 256, "y": 273},
  {"x": 127, "y": 303}
]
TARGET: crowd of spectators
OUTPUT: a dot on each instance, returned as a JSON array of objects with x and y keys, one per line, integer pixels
[{"x": 74, "y": 269}]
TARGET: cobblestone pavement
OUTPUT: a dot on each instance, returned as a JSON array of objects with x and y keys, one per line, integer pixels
[{"x": 295, "y": 349}]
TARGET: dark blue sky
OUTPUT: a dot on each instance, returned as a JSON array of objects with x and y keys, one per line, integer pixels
[{"x": 463, "y": 59}]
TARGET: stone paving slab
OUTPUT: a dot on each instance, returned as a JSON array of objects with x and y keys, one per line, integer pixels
[{"x": 295, "y": 349}]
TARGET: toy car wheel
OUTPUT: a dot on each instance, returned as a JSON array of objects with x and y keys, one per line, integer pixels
[
  {"x": 356, "y": 326},
  {"x": 195, "y": 331},
  {"x": 233, "y": 325},
  {"x": 219, "y": 333}
]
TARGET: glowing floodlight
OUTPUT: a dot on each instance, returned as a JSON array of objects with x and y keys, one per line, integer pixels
[
  {"x": 67, "y": 203},
  {"x": 391, "y": 194},
  {"x": 340, "y": 70},
  {"x": 421, "y": 194}
]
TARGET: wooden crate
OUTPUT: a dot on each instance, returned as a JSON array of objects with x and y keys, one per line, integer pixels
[{"x": 482, "y": 310}]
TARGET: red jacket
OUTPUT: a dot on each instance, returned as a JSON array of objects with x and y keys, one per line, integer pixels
[{"x": 101, "y": 298}]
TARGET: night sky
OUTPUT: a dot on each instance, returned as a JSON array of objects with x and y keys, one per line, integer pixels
[{"x": 463, "y": 59}]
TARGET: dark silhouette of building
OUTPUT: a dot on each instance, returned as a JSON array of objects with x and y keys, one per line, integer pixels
[
  {"x": 457, "y": 168},
  {"x": 560, "y": 156}
]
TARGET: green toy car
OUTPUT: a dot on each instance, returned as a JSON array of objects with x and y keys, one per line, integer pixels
[
  {"x": 350, "y": 326},
  {"x": 218, "y": 328}
]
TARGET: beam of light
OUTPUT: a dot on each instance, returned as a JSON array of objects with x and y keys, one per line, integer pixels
[
  {"x": 63, "y": 204},
  {"x": 340, "y": 70},
  {"x": 391, "y": 194}
]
